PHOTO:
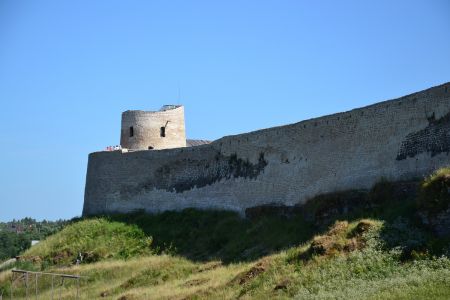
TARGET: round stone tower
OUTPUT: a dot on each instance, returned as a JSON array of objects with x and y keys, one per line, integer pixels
[{"x": 163, "y": 129}]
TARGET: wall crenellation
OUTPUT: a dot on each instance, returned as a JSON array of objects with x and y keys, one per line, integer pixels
[{"x": 395, "y": 139}]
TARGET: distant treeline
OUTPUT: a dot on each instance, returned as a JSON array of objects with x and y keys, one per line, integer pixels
[{"x": 16, "y": 235}]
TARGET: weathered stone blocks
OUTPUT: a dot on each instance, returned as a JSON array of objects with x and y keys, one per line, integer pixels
[{"x": 398, "y": 140}]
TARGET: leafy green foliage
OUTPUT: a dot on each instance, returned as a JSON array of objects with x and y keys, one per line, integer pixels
[
  {"x": 16, "y": 236},
  {"x": 11, "y": 244}
]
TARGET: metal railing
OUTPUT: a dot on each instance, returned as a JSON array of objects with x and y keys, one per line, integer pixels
[{"x": 27, "y": 277}]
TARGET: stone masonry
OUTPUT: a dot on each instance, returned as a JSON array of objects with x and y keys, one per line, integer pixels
[
  {"x": 144, "y": 130},
  {"x": 400, "y": 139}
]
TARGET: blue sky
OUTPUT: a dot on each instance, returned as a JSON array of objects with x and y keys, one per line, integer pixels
[{"x": 69, "y": 68}]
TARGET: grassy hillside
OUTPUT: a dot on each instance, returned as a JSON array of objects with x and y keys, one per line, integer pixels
[
  {"x": 351, "y": 245},
  {"x": 90, "y": 241}
]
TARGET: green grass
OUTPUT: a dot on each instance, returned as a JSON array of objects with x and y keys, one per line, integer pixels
[
  {"x": 95, "y": 239},
  {"x": 374, "y": 269},
  {"x": 348, "y": 245},
  {"x": 209, "y": 235}
]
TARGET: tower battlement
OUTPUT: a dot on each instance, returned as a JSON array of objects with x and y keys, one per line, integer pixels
[{"x": 147, "y": 130}]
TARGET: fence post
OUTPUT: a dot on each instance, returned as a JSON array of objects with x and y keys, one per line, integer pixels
[
  {"x": 53, "y": 277},
  {"x": 26, "y": 285},
  {"x": 11, "y": 287},
  {"x": 24, "y": 275},
  {"x": 36, "y": 287},
  {"x": 60, "y": 287},
  {"x": 78, "y": 287}
]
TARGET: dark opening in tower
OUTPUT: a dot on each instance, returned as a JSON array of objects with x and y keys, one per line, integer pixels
[
  {"x": 162, "y": 132},
  {"x": 131, "y": 131}
]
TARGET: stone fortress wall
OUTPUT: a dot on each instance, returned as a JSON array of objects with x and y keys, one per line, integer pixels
[
  {"x": 398, "y": 139},
  {"x": 163, "y": 129}
]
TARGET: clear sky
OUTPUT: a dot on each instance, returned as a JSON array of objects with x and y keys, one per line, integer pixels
[{"x": 69, "y": 68}]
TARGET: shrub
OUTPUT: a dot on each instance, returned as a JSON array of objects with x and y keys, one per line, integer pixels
[{"x": 434, "y": 195}]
